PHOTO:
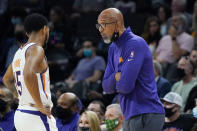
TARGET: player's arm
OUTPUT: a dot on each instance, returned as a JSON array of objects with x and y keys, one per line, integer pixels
[
  {"x": 8, "y": 79},
  {"x": 109, "y": 82},
  {"x": 34, "y": 64}
]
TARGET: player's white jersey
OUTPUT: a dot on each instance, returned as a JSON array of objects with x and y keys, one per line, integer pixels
[{"x": 25, "y": 99}]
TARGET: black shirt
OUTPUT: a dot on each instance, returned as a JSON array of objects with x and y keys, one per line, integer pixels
[{"x": 183, "y": 123}]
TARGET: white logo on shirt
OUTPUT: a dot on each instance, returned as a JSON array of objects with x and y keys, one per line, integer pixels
[
  {"x": 131, "y": 56},
  {"x": 130, "y": 59}
]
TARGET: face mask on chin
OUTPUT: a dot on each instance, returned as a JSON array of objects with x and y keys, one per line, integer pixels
[
  {"x": 108, "y": 40},
  {"x": 84, "y": 129},
  {"x": 115, "y": 36}
]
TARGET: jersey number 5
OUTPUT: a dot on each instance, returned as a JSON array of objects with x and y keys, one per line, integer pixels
[{"x": 18, "y": 83}]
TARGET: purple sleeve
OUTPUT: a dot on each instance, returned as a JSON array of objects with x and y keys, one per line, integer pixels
[
  {"x": 131, "y": 67},
  {"x": 109, "y": 82}
]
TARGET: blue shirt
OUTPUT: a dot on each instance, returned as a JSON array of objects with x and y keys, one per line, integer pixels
[
  {"x": 69, "y": 126},
  {"x": 137, "y": 91},
  {"x": 7, "y": 122},
  {"x": 87, "y": 66}
]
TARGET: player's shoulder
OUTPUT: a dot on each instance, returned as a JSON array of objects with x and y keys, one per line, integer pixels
[{"x": 34, "y": 49}]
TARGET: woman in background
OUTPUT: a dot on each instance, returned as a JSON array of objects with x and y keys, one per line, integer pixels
[
  {"x": 152, "y": 33},
  {"x": 89, "y": 122}
]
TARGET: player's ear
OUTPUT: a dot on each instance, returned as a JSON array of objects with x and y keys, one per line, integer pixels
[
  {"x": 44, "y": 29},
  {"x": 27, "y": 34}
]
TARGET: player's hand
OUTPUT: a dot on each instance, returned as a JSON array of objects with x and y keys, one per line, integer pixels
[
  {"x": 117, "y": 76},
  {"x": 45, "y": 110}
]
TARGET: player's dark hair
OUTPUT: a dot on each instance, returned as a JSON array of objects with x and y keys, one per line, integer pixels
[{"x": 34, "y": 22}]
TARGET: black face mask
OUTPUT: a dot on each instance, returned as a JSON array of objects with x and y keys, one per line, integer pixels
[
  {"x": 181, "y": 72},
  {"x": 169, "y": 111},
  {"x": 115, "y": 36},
  {"x": 63, "y": 113},
  {"x": 84, "y": 129},
  {"x": 3, "y": 106}
]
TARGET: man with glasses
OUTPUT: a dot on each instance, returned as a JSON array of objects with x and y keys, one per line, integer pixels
[
  {"x": 99, "y": 108},
  {"x": 130, "y": 73}
]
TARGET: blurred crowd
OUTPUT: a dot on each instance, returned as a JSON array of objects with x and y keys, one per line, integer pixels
[{"x": 77, "y": 59}]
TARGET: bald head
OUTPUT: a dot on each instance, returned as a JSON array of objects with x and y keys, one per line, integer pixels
[
  {"x": 67, "y": 99},
  {"x": 111, "y": 14},
  {"x": 68, "y": 96}
]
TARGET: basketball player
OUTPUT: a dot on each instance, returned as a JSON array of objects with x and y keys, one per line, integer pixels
[{"x": 29, "y": 71}]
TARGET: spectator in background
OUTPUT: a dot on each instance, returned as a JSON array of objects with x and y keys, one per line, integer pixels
[
  {"x": 3, "y": 6},
  {"x": 125, "y": 6},
  {"x": 90, "y": 68},
  {"x": 89, "y": 122},
  {"x": 66, "y": 112},
  {"x": 172, "y": 103},
  {"x": 194, "y": 24},
  {"x": 163, "y": 85},
  {"x": 178, "y": 43},
  {"x": 91, "y": 5},
  {"x": 99, "y": 108},
  {"x": 114, "y": 118},
  {"x": 11, "y": 45},
  {"x": 173, "y": 76},
  {"x": 193, "y": 56},
  {"x": 194, "y": 127},
  {"x": 59, "y": 32},
  {"x": 190, "y": 106},
  {"x": 188, "y": 81},
  {"x": 29, "y": 5},
  {"x": 16, "y": 16},
  {"x": 163, "y": 13},
  {"x": 6, "y": 114},
  {"x": 152, "y": 33},
  {"x": 20, "y": 38},
  {"x": 194, "y": 110},
  {"x": 178, "y": 6}
]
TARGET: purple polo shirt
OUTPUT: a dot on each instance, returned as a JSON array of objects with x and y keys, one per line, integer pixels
[{"x": 137, "y": 91}]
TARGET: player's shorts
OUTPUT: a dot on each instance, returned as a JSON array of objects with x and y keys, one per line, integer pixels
[{"x": 28, "y": 120}]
